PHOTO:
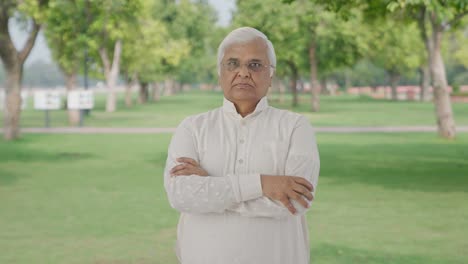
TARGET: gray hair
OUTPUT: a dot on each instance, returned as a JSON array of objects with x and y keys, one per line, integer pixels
[{"x": 245, "y": 35}]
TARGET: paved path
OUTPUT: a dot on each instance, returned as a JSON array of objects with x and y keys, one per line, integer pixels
[{"x": 154, "y": 130}]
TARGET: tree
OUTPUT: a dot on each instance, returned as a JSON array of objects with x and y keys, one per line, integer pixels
[
  {"x": 110, "y": 21},
  {"x": 396, "y": 48},
  {"x": 33, "y": 13},
  {"x": 279, "y": 22},
  {"x": 65, "y": 33},
  {"x": 307, "y": 38},
  {"x": 195, "y": 22},
  {"x": 150, "y": 48},
  {"x": 192, "y": 23},
  {"x": 436, "y": 17}
]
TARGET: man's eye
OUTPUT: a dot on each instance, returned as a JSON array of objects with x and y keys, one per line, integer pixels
[
  {"x": 232, "y": 63},
  {"x": 255, "y": 65}
]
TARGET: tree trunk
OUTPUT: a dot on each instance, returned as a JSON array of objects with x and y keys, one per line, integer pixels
[
  {"x": 156, "y": 92},
  {"x": 282, "y": 90},
  {"x": 128, "y": 94},
  {"x": 130, "y": 82},
  {"x": 144, "y": 93},
  {"x": 424, "y": 82},
  {"x": 274, "y": 89},
  {"x": 443, "y": 105},
  {"x": 13, "y": 61},
  {"x": 73, "y": 114},
  {"x": 314, "y": 83},
  {"x": 111, "y": 72},
  {"x": 426, "y": 71},
  {"x": 169, "y": 86},
  {"x": 432, "y": 39},
  {"x": 347, "y": 79},
  {"x": 293, "y": 87},
  {"x": 323, "y": 86},
  {"x": 177, "y": 87},
  {"x": 293, "y": 82},
  {"x": 394, "y": 80},
  {"x": 12, "y": 109}
]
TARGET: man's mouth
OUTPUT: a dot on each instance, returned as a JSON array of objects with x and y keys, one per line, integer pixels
[{"x": 243, "y": 86}]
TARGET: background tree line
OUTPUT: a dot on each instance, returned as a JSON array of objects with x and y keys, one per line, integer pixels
[{"x": 147, "y": 43}]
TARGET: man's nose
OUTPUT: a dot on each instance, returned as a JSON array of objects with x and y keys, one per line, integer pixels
[{"x": 243, "y": 71}]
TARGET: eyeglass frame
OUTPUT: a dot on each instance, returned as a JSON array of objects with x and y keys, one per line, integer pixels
[{"x": 238, "y": 67}]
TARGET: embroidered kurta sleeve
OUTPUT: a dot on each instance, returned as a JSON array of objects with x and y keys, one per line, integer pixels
[
  {"x": 303, "y": 161},
  {"x": 204, "y": 194}
]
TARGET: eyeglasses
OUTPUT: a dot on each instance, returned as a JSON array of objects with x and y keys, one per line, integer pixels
[{"x": 234, "y": 65}]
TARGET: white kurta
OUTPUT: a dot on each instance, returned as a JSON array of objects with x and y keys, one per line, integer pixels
[{"x": 225, "y": 218}]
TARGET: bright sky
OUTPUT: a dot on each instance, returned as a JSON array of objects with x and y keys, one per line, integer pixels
[{"x": 42, "y": 52}]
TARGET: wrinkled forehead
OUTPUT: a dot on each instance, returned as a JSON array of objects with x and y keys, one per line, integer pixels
[{"x": 253, "y": 50}]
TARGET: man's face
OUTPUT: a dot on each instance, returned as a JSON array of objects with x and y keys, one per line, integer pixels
[{"x": 242, "y": 84}]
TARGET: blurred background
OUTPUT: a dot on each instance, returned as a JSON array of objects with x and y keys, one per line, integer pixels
[{"x": 91, "y": 90}]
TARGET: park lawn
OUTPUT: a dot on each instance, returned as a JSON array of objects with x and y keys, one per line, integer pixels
[
  {"x": 344, "y": 110},
  {"x": 382, "y": 198}
]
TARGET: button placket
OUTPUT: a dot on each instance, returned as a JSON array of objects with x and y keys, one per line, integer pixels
[{"x": 241, "y": 146}]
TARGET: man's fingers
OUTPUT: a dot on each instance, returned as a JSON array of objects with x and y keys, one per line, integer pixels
[
  {"x": 182, "y": 168},
  {"x": 305, "y": 183},
  {"x": 178, "y": 167},
  {"x": 299, "y": 199},
  {"x": 288, "y": 205},
  {"x": 303, "y": 191},
  {"x": 188, "y": 160},
  {"x": 181, "y": 172},
  {"x": 186, "y": 171}
]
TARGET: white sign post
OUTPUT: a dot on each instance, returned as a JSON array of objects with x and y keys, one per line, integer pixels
[
  {"x": 47, "y": 100},
  {"x": 80, "y": 100}
]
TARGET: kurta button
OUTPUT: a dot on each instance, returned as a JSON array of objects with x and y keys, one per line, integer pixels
[
  {"x": 241, "y": 141},
  {"x": 241, "y": 161}
]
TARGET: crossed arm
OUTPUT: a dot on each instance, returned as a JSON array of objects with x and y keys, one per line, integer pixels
[{"x": 191, "y": 189}]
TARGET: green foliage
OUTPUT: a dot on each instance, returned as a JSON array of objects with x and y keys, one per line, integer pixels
[
  {"x": 396, "y": 47},
  {"x": 34, "y": 9},
  {"x": 459, "y": 45},
  {"x": 193, "y": 23},
  {"x": 365, "y": 73},
  {"x": 149, "y": 47},
  {"x": 66, "y": 33},
  {"x": 279, "y": 22},
  {"x": 342, "y": 42},
  {"x": 444, "y": 11},
  {"x": 73, "y": 26},
  {"x": 292, "y": 27},
  {"x": 109, "y": 21}
]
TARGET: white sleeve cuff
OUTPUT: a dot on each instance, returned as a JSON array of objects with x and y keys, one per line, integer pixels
[
  {"x": 250, "y": 186},
  {"x": 246, "y": 186}
]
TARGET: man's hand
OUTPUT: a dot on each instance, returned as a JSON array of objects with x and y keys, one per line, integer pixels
[
  {"x": 188, "y": 167},
  {"x": 284, "y": 188}
]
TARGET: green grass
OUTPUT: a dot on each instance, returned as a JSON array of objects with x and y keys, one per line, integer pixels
[
  {"x": 342, "y": 110},
  {"x": 382, "y": 198}
]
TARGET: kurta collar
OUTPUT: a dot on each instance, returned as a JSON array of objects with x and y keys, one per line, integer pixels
[{"x": 229, "y": 106}]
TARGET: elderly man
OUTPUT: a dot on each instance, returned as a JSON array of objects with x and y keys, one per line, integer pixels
[{"x": 243, "y": 175}]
